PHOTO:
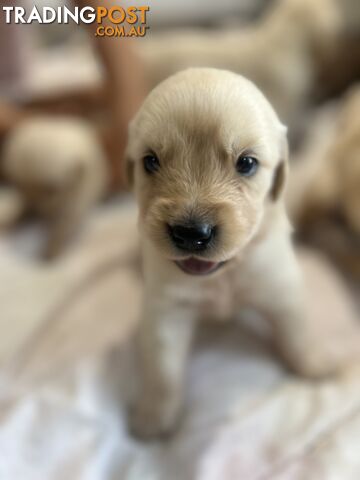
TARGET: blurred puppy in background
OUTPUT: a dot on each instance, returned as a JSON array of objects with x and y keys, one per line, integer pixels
[
  {"x": 324, "y": 193},
  {"x": 279, "y": 52},
  {"x": 348, "y": 144},
  {"x": 59, "y": 167},
  {"x": 207, "y": 156}
]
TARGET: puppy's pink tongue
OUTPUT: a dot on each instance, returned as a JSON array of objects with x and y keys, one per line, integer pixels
[{"x": 193, "y": 266}]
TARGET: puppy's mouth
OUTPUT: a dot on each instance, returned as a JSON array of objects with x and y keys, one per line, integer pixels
[{"x": 194, "y": 266}]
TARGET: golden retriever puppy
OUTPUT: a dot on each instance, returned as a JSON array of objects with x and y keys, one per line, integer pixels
[
  {"x": 278, "y": 53},
  {"x": 59, "y": 167},
  {"x": 346, "y": 154},
  {"x": 326, "y": 177},
  {"x": 207, "y": 156},
  {"x": 324, "y": 193}
]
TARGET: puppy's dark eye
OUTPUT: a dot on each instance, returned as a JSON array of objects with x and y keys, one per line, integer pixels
[
  {"x": 151, "y": 163},
  {"x": 247, "y": 165}
]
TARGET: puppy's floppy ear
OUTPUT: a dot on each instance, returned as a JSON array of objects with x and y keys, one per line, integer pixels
[{"x": 281, "y": 171}]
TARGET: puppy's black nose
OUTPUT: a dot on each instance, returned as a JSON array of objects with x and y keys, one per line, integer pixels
[{"x": 191, "y": 237}]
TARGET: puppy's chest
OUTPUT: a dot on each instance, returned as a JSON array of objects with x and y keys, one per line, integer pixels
[{"x": 222, "y": 298}]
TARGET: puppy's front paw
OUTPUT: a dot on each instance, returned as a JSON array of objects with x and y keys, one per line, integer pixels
[
  {"x": 315, "y": 365},
  {"x": 148, "y": 421},
  {"x": 327, "y": 358}
]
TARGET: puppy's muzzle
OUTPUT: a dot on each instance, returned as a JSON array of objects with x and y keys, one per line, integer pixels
[{"x": 192, "y": 237}]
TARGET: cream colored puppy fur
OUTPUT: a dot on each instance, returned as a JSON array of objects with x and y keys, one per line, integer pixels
[
  {"x": 198, "y": 123},
  {"x": 60, "y": 169}
]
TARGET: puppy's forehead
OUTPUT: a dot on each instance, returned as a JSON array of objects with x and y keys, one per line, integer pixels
[{"x": 207, "y": 106}]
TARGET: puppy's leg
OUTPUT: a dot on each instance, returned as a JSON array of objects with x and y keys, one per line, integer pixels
[
  {"x": 162, "y": 348},
  {"x": 314, "y": 333}
]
